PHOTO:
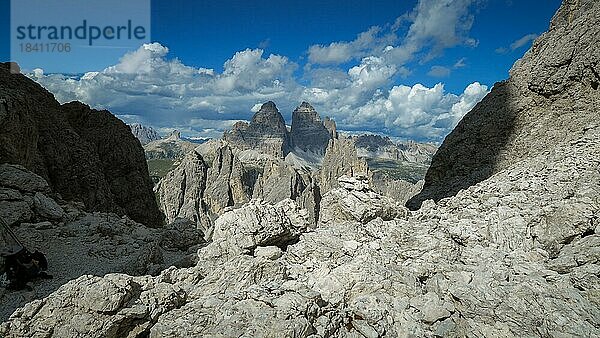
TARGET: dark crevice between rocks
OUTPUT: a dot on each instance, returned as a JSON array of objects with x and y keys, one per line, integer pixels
[
  {"x": 317, "y": 200},
  {"x": 422, "y": 279},
  {"x": 278, "y": 242},
  {"x": 594, "y": 83},
  {"x": 282, "y": 243},
  {"x": 588, "y": 232},
  {"x": 568, "y": 240}
]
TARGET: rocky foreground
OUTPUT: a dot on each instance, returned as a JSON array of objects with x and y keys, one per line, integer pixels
[{"x": 513, "y": 253}]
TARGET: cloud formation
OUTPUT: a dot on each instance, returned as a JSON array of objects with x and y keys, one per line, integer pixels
[
  {"x": 416, "y": 112},
  {"x": 339, "y": 52},
  {"x": 164, "y": 91},
  {"x": 434, "y": 25},
  {"x": 526, "y": 39},
  {"x": 355, "y": 82},
  {"x": 439, "y": 71}
]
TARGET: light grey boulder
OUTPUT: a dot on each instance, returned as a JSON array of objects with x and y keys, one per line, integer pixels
[
  {"x": 17, "y": 177},
  {"x": 355, "y": 201},
  {"x": 268, "y": 252},
  {"x": 260, "y": 224},
  {"x": 47, "y": 208}
]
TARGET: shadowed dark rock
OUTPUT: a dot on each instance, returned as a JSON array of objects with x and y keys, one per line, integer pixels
[
  {"x": 308, "y": 131},
  {"x": 552, "y": 96},
  {"x": 84, "y": 154}
]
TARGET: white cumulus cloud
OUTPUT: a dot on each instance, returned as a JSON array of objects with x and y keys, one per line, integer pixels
[{"x": 356, "y": 82}]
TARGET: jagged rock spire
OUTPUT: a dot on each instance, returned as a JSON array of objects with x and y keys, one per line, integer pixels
[{"x": 308, "y": 131}]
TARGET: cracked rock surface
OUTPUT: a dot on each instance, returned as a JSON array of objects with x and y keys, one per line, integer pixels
[{"x": 513, "y": 254}]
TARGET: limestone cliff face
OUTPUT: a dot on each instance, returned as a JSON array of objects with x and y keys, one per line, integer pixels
[
  {"x": 551, "y": 97},
  {"x": 266, "y": 132},
  {"x": 331, "y": 127},
  {"x": 199, "y": 193},
  {"x": 280, "y": 181},
  {"x": 172, "y": 147},
  {"x": 224, "y": 185},
  {"x": 340, "y": 159},
  {"x": 84, "y": 154},
  {"x": 308, "y": 132},
  {"x": 514, "y": 255},
  {"x": 143, "y": 133},
  {"x": 181, "y": 192}
]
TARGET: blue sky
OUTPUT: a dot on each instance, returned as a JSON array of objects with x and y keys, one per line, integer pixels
[{"x": 408, "y": 69}]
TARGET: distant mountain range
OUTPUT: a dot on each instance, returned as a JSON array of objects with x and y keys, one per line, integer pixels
[
  {"x": 266, "y": 159},
  {"x": 303, "y": 145}
]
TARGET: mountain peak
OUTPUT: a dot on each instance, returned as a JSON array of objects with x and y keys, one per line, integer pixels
[
  {"x": 269, "y": 106},
  {"x": 266, "y": 131},
  {"x": 308, "y": 131},
  {"x": 306, "y": 106},
  {"x": 175, "y": 135}
]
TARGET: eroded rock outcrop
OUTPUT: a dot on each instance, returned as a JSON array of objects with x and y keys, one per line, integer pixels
[
  {"x": 551, "y": 95},
  {"x": 225, "y": 186},
  {"x": 399, "y": 190},
  {"x": 143, "y": 133},
  {"x": 489, "y": 262},
  {"x": 78, "y": 243},
  {"x": 266, "y": 132},
  {"x": 279, "y": 181},
  {"x": 308, "y": 132},
  {"x": 355, "y": 201},
  {"x": 24, "y": 196},
  {"x": 199, "y": 193},
  {"x": 340, "y": 159},
  {"x": 513, "y": 255},
  {"x": 181, "y": 192},
  {"x": 172, "y": 147},
  {"x": 84, "y": 154}
]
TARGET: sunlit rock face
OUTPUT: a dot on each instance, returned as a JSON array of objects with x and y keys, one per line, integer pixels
[
  {"x": 513, "y": 254},
  {"x": 266, "y": 132},
  {"x": 551, "y": 97}
]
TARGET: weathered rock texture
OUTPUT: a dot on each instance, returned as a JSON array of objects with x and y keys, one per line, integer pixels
[
  {"x": 84, "y": 154},
  {"x": 308, "y": 132},
  {"x": 340, "y": 159},
  {"x": 181, "y": 192},
  {"x": 280, "y": 181},
  {"x": 172, "y": 147},
  {"x": 77, "y": 243},
  {"x": 514, "y": 255},
  {"x": 331, "y": 127},
  {"x": 225, "y": 186},
  {"x": 266, "y": 132},
  {"x": 198, "y": 193},
  {"x": 490, "y": 261},
  {"x": 143, "y": 133},
  {"x": 399, "y": 190},
  {"x": 380, "y": 147},
  {"x": 551, "y": 96},
  {"x": 24, "y": 197}
]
